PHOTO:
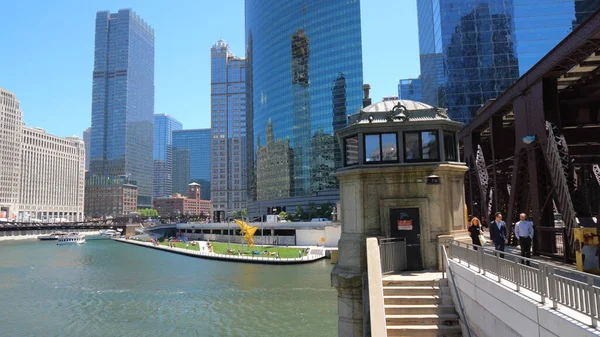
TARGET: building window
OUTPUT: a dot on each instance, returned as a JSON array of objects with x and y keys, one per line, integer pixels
[
  {"x": 450, "y": 146},
  {"x": 351, "y": 149},
  {"x": 381, "y": 148},
  {"x": 421, "y": 146}
]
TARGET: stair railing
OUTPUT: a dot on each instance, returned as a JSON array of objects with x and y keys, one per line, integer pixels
[{"x": 447, "y": 271}]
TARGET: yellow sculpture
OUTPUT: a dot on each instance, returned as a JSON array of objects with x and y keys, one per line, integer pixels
[{"x": 247, "y": 231}]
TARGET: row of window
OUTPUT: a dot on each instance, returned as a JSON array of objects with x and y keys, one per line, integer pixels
[{"x": 419, "y": 146}]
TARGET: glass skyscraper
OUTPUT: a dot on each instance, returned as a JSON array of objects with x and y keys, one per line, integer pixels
[
  {"x": 473, "y": 50},
  {"x": 228, "y": 124},
  {"x": 191, "y": 160},
  {"x": 123, "y": 100},
  {"x": 304, "y": 75},
  {"x": 163, "y": 154},
  {"x": 410, "y": 89}
]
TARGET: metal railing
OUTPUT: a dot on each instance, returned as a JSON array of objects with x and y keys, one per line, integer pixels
[
  {"x": 447, "y": 273},
  {"x": 575, "y": 290},
  {"x": 554, "y": 242},
  {"x": 393, "y": 255}
]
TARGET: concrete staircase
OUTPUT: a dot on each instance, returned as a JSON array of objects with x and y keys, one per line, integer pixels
[{"x": 419, "y": 307}]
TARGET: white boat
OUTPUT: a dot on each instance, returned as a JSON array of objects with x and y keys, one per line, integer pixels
[
  {"x": 71, "y": 239},
  {"x": 105, "y": 234}
]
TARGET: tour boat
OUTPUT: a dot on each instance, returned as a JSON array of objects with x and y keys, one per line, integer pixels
[
  {"x": 52, "y": 236},
  {"x": 71, "y": 239}
]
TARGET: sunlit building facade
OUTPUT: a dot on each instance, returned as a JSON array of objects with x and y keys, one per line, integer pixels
[
  {"x": 11, "y": 135},
  {"x": 228, "y": 125},
  {"x": 410, "y": 89},
  {"x": 123, "y": 100},
  {"x": 191, "y": 160},
  {"x": 303, "y": 76},
  {"x": 473, "y": 50}
]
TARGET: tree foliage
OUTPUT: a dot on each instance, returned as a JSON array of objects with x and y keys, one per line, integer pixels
[{"x": 148, "y": 212}]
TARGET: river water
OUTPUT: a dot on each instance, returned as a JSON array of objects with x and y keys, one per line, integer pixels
[{"x": 106, "y": 288}]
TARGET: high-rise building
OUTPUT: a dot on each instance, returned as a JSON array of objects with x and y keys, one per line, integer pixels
[
  {"x": 303, "y": 76},
  {"x": 11, "y": 135},
  {"x": 164, "y": 125},
  {"x": 123, "y": 100},
  {"x": 410, "y": 89},
  {"x": 87, "y": 139},
  {"x": 191, "y": 160},
  {"x": 110, "y": 196},
  {"x": 52, "y": 177},
  {"x": 473, "y": 50},
  {"x": 228, "y": 125}
]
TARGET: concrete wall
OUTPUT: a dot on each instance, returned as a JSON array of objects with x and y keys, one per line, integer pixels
[
  {"x": 309, "y": 237},
  {"x": 332, "y": 235},
  {"x": 496, "y": 310},
  {"x": 268, "y": 240}
]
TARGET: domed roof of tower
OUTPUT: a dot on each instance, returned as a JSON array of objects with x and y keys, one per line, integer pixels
[
  {"x": 398, "y": 110},
  {"x": 390, "y": 104}
]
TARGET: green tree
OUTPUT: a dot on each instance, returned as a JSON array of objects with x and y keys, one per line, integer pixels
[
  {"x": 284, "y": 216},
  {"x": 300, "y": 213},
  {"x": 148, "y": 212},
  {"x": 243, "y": 213}
]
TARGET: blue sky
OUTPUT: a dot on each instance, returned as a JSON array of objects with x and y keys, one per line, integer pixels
[{"x": 46, "y": 54}]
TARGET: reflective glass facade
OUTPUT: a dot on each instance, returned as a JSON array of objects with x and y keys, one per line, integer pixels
[
  {"x": 410, "y": 89},
  {"x": 191, "y": 160},
  {"x": 473, "y": 50},
  {"x": 164, "y": 125},
  {"x": 304, "y": 75},
  {"x": 228, "y": 124},
  {"x": 123, "y": 100}
]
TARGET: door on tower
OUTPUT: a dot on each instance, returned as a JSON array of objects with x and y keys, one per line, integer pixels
[{"x": 404, "y": 223}]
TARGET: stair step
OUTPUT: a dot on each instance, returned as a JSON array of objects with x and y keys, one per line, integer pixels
[
  {"x": 424, "y": 330},
  {"x": 412, "y": 283},
  {"x": 411, "y": 290},
  {"x": 423, "y": 309},
  {"x": 430, "y": 319},
  {"x": 423, "y": 299}
]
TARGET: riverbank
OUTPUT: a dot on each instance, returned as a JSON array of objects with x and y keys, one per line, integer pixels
[
  {"x": 35, "y": 236},
  {"x": 315, "y": 254}
]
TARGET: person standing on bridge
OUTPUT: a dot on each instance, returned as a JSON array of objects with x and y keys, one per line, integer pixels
[
  {"x": 498, "y": 233},
  {"x": 475, "y": 232},
  {"x": 524, "y": 233}
]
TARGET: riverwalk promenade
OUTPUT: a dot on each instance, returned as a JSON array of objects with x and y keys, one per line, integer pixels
[{"x": 314, "y": 255}]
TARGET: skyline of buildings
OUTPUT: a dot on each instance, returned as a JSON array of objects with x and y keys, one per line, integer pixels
[
  {"x": 164, "y": 125},
  {"x": 123, "y": 100},
  {"x": 41, "y": 175},
  {"x": 304, "y": 72},
  {"x": 473, "y": 50},
  {"x": 228, "y": 125},
  {"x": 191, "y": 160},
  {"x": 410, "y": 89}
]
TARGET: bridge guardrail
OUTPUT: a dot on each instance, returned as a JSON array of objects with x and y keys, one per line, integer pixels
[{"x": 572, "y": 289}]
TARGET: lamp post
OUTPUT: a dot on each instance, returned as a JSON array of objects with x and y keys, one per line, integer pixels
[{"x": 228, "y": 232}]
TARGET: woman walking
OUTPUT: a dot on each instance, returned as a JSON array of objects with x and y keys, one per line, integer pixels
[{"x": 475, "y": 231}]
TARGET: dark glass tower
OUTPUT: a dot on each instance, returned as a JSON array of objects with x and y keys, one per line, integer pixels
[
  {"x": 191, "y": 160},
  {"x": 295, "y": 51},
  {"x": 164, "y": 125},
  {"x": 473, "y": 50},
  {"x": 123, "y": 100}
]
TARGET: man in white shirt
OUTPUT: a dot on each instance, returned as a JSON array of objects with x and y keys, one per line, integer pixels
[{"x": 524, "y": 233}]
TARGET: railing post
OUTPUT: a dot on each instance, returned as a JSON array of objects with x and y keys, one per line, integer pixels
[
  {"x": 497, "y": 266},
  {"x": 480, "y": 259},
  {"x": 592, "y": 301},
  {"x": 518, "y": 276},
  {"x": 542, "y": 278}
]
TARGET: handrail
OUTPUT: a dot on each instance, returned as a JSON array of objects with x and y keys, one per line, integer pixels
[
  {"x": 462, "y": 315},
  {"x": 573, "y": 289},
  {"x": 375, "y": 286}
]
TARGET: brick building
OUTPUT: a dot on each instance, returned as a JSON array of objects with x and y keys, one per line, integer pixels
[
  {"x": 181, "y": 205},
  {"x": 110, "y": 196}
]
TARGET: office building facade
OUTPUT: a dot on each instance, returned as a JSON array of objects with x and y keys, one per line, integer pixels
[
  {"x": 410, "y": 89},
  {"x": 228, "y": 125},
  {"x": 189, "y": 205},
  {"x": 109, "y": 196},
  {"x": 123, "y": 100},
  {"x": 191, "y": 160},
  {"x": 303, "y": 76},
  {"x": 164, "y": 125},
  {"x": 52, "y": 184},
  {"x": 473, "y": 50},
  {"x": 11, "y": 135},
  {"x": 87, "y": 140}
]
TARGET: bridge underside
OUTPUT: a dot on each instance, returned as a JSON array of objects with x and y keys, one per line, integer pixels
[{"x": 536, "y": 148}]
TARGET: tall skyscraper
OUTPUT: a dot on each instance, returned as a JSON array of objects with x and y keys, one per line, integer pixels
[
  {"x": 11, "y": 136},
  {"x": 228, "y": 125},
  {"x": 303, "y": 75},
  {"x": 191, "y": 160},
  {"x": 123, "y": 100},
  {"x": 410, "y": 89},
  {"x": 473, "y": 50},
  {"x": 164, "y": 125},
  {"x": 87, "y": 140}
]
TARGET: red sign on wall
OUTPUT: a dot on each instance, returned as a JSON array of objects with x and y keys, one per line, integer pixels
[{"x": 405, "y": 225}]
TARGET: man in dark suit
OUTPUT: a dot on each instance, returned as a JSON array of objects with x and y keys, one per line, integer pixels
[{"x": 498, "y": 233}]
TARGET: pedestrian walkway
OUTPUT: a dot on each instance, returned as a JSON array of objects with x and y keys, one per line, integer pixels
[{"x": 314, "y": 255}]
